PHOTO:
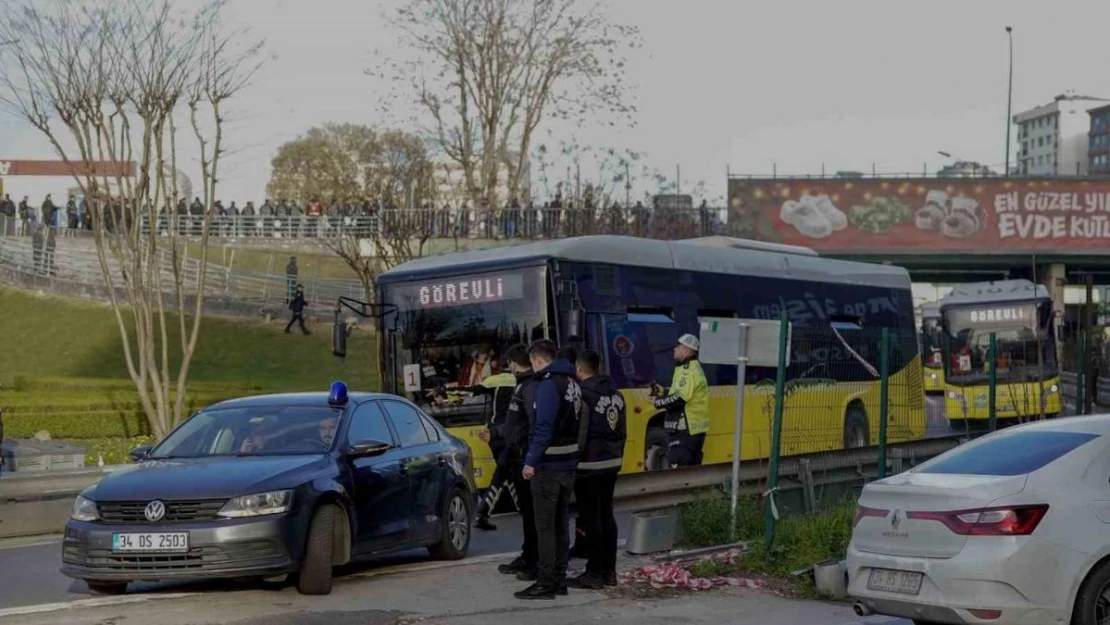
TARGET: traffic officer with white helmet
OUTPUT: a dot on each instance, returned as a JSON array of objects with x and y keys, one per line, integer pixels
[{"x": 686, "y": 403}]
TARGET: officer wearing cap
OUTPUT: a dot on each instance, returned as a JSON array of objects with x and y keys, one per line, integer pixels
[{"x": 686, "y": 403}]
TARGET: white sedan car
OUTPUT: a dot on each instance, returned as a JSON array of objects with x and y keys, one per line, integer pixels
[{"x": 1013, "y": 527}]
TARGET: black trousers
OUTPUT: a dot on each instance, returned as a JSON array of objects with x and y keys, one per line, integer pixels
[
  {"x": 686, "y": 450},
  {"x": 529, "y": 549},
  {"x": 499, "y": 483},
  {"x": 551, "y": 492},
  {"x": 298, "y": 318},
  {"x": 594, "y": 495}
]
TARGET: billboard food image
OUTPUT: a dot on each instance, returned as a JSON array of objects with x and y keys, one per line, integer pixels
[{"x": 924, "y": 215}]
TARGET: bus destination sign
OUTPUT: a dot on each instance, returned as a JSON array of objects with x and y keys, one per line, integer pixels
[
  {"x": 1011, "y": 315},
  {"x": 482, "y": 289}
]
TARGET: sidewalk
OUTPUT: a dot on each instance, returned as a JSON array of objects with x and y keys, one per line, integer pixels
[{"x": 467, "y": 594}]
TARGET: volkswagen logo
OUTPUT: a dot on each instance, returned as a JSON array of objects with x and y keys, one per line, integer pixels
[
  {"x": 895, "y": 520},
  {"x": 154, "y": 511}
]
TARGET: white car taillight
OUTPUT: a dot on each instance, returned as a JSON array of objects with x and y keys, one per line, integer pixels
[
  {"x": 862, "y": 512},
  {"x": 1005, "y": 521}
]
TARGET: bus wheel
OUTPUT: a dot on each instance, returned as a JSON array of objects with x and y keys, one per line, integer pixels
[
  {"x": 857, "y": 433},
  {"x": 655, "y": 450}
]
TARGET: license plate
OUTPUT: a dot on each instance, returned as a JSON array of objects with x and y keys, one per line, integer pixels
[
  {"x": 902, "y": 582},
  {"x": 151, "y": 542}
]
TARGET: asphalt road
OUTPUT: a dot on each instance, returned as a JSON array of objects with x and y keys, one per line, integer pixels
[{"x": 29, "y": 572}]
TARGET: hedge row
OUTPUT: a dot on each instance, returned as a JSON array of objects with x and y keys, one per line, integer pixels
[
  {"x": 22, "y": 403},
  {"x": 53, "y": 385},
  {"x": 83, "y": 424}
]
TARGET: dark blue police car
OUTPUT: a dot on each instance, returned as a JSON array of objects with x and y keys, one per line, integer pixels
[{"x": 273, "y": 485}]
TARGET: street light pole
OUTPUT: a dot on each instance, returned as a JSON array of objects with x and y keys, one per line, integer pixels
[{"x": 1009, "y": 97}]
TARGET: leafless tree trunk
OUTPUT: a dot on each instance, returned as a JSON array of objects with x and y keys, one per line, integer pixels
[{"x": 105, "y": 83}]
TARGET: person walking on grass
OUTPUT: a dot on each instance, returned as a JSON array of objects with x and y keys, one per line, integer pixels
[{"x": 297, "y": 305}]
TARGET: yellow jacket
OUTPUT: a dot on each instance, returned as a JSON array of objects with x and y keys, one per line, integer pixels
[{"x": 689, "y": 394}]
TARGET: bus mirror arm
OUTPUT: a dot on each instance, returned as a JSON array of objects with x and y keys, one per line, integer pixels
[{"x": 365, "y": 310}]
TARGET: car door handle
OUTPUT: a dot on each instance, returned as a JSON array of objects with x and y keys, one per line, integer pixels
[{"x": 442, "y": 460}]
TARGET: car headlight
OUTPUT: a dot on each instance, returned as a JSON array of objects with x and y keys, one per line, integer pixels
[
  {"x": 274, "y": 502},
  {"x": 951, "y": 395},
  {"x": 1053, "y": 388},
  {"x": 84, "y": 509},
  {"x": 934, "y": 376}
]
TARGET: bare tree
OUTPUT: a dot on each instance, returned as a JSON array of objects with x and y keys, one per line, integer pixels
[
  {"x": 488, "y": 72},
  {"x": 107, "y": 85},
  {"x": 347, "y": 162}
]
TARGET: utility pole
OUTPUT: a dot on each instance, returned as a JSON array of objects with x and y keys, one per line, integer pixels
[{"x": 1009, "y": 97}]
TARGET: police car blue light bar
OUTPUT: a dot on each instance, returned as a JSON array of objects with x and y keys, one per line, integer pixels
[{"x": 338, "y": 394}]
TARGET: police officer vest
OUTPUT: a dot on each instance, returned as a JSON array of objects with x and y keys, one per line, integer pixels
[
  {"x": 606, "y": 430},
  {"x": 690, "y": 384}
]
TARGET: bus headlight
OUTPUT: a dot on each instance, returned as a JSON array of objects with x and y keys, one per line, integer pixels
[
  {"x": 934, "y": 376},
  {"x": 951, "y": 394},
  {"x": 1053, "y": 389}
]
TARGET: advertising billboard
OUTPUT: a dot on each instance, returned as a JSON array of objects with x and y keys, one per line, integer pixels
[{"x": 925, "y": 215}]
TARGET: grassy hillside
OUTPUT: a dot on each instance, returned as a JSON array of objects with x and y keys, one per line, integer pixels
[
  {"x": 63, "y": 369},
  {"x": 46, "y": 336}
]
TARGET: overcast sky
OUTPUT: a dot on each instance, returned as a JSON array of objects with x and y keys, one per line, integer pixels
[{"x": 720, "y": 84}]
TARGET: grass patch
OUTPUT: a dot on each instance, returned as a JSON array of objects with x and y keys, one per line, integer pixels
[
  {"x": 52, "y": 337},
  {"x": 800, "y": 540}
]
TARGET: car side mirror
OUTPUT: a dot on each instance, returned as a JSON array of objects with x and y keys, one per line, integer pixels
[
  {"x": 140, "y": 453},
  {"x": 368, "y": 447}
]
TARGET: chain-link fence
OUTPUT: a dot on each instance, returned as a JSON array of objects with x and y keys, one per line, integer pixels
[{"x": 845, "y": 387}]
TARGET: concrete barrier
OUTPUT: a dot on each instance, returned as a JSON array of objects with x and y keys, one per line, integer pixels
[{"x": 40, "y": 503}]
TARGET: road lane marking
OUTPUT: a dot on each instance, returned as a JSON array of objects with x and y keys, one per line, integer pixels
[
  {"x": 30, "y": 541},
  {"x": 98, "y": 602}
]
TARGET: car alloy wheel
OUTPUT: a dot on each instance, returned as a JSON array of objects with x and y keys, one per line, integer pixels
[{"x": 458, "y": 525}]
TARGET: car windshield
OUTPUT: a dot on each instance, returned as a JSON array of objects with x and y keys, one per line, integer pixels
[
  {"x": 252, "y": 431},
  {"x": 1019, "y": 330},
  {"x": 451, "y": 333}
]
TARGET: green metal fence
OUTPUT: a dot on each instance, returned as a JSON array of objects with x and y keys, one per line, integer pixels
[{"x": 840, "y": 386}]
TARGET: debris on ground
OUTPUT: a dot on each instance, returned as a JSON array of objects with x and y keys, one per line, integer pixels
[{"x": 691, "y": 573}]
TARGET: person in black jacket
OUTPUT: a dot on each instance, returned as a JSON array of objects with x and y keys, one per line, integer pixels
[
  {"x": 550, "y": 464},
  {"x": 602, "y": 439},
  {"x": 514, "y": 431},
  {"x": 297, "y": 305},
  {"x": 502, "y": 387}
]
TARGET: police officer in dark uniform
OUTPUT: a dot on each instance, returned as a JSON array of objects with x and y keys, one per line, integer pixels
[
  {"x": 514, "y": 433},
  {"x": 550, "y": 465},
  {"x": 603, "y": 437},
  {"x": 501, "y": 387}
]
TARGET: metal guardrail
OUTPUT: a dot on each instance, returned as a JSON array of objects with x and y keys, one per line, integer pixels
[
  {"x": 1068, "y": 380},
  {"x": 39, "y": 503},
  {"x": 505, "y": 223},
  {"x": 83, "y": 267}
]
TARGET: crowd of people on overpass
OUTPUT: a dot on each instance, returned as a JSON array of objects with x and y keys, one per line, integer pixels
[{"x": 369, "y": 219}]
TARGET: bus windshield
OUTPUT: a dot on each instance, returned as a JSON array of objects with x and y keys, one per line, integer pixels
[
  {"x": 452, "y": 332},
  {"x": 931, "y": 342},
  {"x": 1019, "y": 329}
]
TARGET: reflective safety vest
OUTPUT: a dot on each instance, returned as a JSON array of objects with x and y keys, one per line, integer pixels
[{"x": 687, "y": 401}]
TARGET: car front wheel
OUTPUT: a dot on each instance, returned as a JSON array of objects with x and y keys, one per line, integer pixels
[
  {"x": 316, "y": 570},
  {"x": 454, "y": 537}
]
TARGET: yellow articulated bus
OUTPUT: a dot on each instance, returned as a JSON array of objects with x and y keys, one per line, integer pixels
[
  {"x": 932, "y": 352},
  {"x": 1019, "y": 314},
  {"x": 451, "y": 318}
]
